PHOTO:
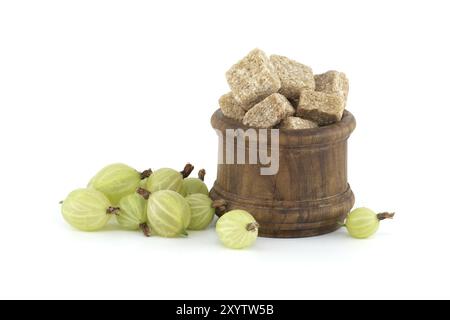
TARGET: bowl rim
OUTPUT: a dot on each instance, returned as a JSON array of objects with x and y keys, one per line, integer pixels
[{"x": 337, "y": 131}]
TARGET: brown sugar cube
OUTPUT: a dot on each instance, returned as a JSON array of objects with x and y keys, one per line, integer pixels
[
  {"x": 229, "y": 99},
  {"x": 269, "y": 112},
  {"x": 253, "y": 78},
  {"x": 297, "y": 123},
  {"x": 332, "y": 82},
  {"x": 289, "y": 110},
  {"x": 231, "y": 108},
  {"x": 294, "y": 76},
  {"x": 321, "y": 107}
]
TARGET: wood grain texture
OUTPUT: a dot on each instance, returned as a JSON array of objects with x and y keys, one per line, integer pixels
[{"x": 309, "y": 195}]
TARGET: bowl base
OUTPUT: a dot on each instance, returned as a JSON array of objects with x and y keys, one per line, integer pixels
[{"x": 292, "y": 219}]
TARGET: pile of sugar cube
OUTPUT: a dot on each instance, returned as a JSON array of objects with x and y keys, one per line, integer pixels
[{"x": 282, "y": 93}]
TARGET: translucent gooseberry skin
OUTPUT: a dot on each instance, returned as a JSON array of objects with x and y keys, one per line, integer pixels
[
  {"x": 194, "y": 186},
  {"x": 362, "y": 223},
  {"x": 168, "y": 214},
  {"x": 116, "y": 181},
  {"x": 233, "y": 229},
  {"x": 202, "y": 212},
  {"x": 132, "y": 212},
  {"x": 86, "y": 209},
  {"x": 165, "y": 179}
]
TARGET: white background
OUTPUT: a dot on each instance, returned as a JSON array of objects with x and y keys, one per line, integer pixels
[{"x": 88, "y": 83}]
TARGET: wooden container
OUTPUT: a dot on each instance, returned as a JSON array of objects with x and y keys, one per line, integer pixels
[{"x": 308, "y": 196}]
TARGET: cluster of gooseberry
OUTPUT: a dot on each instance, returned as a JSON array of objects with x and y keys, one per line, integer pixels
[{"x": 165, "y": 203}]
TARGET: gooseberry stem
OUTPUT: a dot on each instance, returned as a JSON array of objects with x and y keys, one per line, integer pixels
[
  {"x": 188, "y": 168},
  {"x": 145, "y": 174},
  {"x": 222, "y": 210},
  {"x": 341, "y": 224},
  {"x": 252, "y": 226},
  {"x": 220, "y": 205},
  {"x": 201, "y": 174},
  {"x": 145, "y": 229},
  {"x": 385, "y": 215},
  {"x": 113, "y": 210},
  {"x": 144, "y": 193}
]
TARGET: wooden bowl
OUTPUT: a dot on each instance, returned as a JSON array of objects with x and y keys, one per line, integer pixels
[{"x": 309, "y": 195}]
